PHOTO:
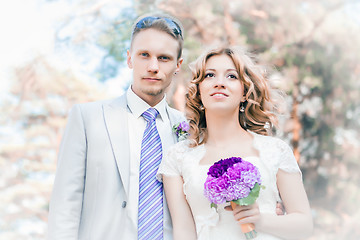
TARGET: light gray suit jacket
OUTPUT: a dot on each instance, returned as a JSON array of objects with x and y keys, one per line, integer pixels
[{"x": 92, "y": 178}]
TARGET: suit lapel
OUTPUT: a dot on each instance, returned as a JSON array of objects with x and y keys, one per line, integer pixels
[
  {"x": 116, "y": 120},
  {"x": 174, "y": 118}
]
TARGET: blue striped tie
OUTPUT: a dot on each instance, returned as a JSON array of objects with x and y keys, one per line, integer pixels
[{"x": 150, "y": 222}]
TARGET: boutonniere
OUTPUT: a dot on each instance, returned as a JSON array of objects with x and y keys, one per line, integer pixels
[{"x": 181, "y": 130}]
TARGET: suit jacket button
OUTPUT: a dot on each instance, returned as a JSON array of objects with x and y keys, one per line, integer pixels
[{"x": 123, "y": 204}]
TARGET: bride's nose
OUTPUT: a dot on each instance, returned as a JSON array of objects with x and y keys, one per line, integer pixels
[{"x": 219, "y": 82}]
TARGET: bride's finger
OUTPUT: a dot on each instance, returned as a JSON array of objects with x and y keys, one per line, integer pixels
[
  {"x": 250, "y": 219},
  {"x": 239, "y": 208},
  {"x": 249, "y": 212},
  {"x": 228, "y": 208}
]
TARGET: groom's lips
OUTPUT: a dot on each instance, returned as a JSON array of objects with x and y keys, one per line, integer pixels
[{"x": 151, "y": 79}]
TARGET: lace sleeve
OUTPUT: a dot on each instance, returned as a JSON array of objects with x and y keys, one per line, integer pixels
[
  {"x": 287, "y": 161},
  {"x": 171, "y": 162}
]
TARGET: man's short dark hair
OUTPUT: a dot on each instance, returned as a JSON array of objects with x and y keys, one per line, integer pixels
[{"x": 162, "y": 22}]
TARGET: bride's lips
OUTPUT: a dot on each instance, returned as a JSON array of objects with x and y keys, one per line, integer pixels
[{"x": 219, "y": 95}]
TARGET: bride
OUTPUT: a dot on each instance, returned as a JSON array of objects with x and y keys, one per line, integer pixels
[{"x": 229, "y": 111}]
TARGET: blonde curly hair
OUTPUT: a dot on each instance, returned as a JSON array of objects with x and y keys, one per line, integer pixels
[{"x": 258, "y": 116}]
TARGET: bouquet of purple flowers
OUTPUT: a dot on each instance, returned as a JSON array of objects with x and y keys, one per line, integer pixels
[{"x": 233, "y": 180}]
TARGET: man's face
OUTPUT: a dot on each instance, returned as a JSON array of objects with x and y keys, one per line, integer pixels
[{"x": 153, "y": 58}]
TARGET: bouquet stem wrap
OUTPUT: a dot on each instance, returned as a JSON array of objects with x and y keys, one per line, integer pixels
[{"x": 248, "y": 228}]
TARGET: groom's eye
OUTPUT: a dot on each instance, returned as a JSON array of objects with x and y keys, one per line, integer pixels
[{"x": 164, "y": 58}]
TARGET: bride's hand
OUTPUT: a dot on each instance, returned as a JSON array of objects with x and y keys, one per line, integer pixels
[{"x": 246, "y": 214}]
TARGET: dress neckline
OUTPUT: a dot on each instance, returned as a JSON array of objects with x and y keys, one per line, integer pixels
[
  {"x": 243, "y": 158},
  {"x": 200, "y": 151}
]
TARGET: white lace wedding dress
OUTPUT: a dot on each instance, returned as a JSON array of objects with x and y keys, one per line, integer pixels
[{"x": 211, "y": 224}]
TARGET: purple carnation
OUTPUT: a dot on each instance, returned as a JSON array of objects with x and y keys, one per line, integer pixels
[
  {"x": 214, "y": 189},
  {"x": 230, "y": 179},
  {"x": 218, "y": 168},
  {"x": 237, "y": 191}
]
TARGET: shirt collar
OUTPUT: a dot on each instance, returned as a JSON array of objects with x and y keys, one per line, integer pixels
[{"x": 137, "y": 106}]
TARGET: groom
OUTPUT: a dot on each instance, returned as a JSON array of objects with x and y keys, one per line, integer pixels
[{"x": 105, "y": 186}]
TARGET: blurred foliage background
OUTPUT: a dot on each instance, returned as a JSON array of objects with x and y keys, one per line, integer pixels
[{"x": 313, "y": 45}]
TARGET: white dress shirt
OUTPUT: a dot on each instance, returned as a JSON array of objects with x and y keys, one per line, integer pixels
[{"x": 137, "y": 126}]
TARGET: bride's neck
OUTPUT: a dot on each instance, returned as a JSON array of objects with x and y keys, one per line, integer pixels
[{"x": 223, "y": 129}]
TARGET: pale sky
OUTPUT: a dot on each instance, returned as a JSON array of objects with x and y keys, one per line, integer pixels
[{"x": 28, "y": 30}]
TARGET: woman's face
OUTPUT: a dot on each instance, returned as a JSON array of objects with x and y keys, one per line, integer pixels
[{"x": 221, "y": 89}]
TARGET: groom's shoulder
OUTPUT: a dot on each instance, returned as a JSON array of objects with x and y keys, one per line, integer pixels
[
  {"x": 100, "y": 103},
  {"x": 176, "y": 113}
]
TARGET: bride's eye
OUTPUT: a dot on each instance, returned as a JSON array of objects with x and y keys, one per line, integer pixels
[
  {"x": 207, "y": 75},
  {"x": 232, "y": 76}
]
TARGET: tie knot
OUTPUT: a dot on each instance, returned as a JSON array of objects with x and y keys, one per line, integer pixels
[{"x": 150, "y": 114}]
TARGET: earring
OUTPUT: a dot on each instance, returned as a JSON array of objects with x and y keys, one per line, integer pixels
[
  {"x": 202, "y": 107},
  {"x": 242, "y": 108}
]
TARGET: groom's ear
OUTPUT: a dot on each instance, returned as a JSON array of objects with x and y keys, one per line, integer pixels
[
  {"x": 128, "y": 59},
  {"x": 178, "y": 64}
]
